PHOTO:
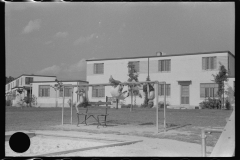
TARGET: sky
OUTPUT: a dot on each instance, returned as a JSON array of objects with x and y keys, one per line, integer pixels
[{"x": 57, "y": 38}]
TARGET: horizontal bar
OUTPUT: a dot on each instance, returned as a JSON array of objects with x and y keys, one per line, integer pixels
[
  {"x": 109, "y": 84},
  {"x": 213, "y": 130}
]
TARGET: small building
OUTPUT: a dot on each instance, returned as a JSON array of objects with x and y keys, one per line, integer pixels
[
  {"x": 23, "y": 83},
  {"x": 47, "y": 96},
  {"x": 189, "y": 76}
]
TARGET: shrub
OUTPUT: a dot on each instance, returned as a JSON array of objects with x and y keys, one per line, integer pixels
[
  {"x": 8, "y": 102},
  {"x": 227, "y": 105},
  {"x": 161, "y": 104},
  {"x": 210, "y": 103}
]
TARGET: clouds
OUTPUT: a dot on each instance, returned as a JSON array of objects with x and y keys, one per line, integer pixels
[
  {"x": 32, "y": 25},
  {"x": 61, "y": 34},
  {"x": 69, "y": 72},
  {"x": 82, "y": 40}
]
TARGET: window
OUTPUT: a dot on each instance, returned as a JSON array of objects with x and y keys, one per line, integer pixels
[
  {"x": 17, "y": 84},
  {"x": 67, "y": 92},
  {"x": 209, "y": 63},
  {"x": 21, "y": 81},
  {"x": 135, "y": 65},
  {"x": 164, "y": 65},
  {"x": 208, "y": 90},
  {"x": 98, "y": 68},
  {"x": 98, "y": 91},
  {"x": 44, "y": 91},
  {"x": 161, "y": 89},
  {"x": 8, "y": 86},
  {"x": 28, "y": 80}
]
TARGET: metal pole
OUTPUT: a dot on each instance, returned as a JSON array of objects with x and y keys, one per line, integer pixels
[
  {"x": 203, "y": 143},
  {"x": 131, "y": 99},
  {"x": 63, "y": 105},
  {"x": 72, "y": 105},
  {"x": 56, "y": 97},
  {"x": 30, "y": 95},
  {"x": 156, "y": 93},
  {"x": 164, "y": 117}
]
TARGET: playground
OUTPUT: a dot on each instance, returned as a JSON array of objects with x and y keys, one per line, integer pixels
[{"x": 183, "y": 126}]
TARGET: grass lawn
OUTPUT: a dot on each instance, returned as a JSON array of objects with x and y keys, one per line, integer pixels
[{"x": 47, "y": 118}]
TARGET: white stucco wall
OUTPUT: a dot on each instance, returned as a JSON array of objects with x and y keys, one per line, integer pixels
[
  {"x": 51, "y": 101},
  {"x": 183, "y": 68}
]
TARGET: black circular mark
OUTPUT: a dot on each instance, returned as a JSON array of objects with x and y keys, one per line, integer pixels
[{"x": 19, "y": 142}]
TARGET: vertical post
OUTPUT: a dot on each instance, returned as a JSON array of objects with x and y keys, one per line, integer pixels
[
  {"x": 156, "y": 93},
  {"x": 117, "y": 103},
  {"x": 131, "y": 99},
  {"x": 63, "y": 105},
  {"x": 56, "y": 97},
  {"x": 30, "y": 95},
  {"x": 164, "y": 117},
  {"x": 203, "y": 143},
  {"x": 72, "y": 105}
]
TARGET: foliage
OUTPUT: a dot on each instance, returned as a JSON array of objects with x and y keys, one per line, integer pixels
[
  {"x": 133, "y": 76},
  {"x": 8, "y": 102},
  {"x": 9, "y": 79},
  {"x": 161, "y": 104},
  {"x": 227, "y": 105},
  {"x": 210, "y": 103},
  {"x": 220, "y": 78}
]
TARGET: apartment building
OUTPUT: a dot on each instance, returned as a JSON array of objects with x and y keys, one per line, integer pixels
[
  {"x": 189, "y": 76},
  {"x": 47, "y": 96},
  {"x": 23, "y": 82}
]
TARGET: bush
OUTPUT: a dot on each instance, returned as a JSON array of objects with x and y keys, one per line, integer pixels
[
  {"x": 227, "y": 105},
  {"x": 8, "y": 103},
  {"x": 211, "y": 103},
  {"x": 161, "y": 104}
]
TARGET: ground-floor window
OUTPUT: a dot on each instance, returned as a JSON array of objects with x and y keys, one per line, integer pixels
[
  {"x": 98, "y": 91},
  {"x": 161, "y": 89},
  {"x": 67, "y": 92},
  {"x": 44, "y": 91},
  {"x": 208, "y": 90}
]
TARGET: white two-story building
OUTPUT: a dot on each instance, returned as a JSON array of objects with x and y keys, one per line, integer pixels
[
  {"x": 23, "y": 82},
  {"x": 189, "y": 77}
]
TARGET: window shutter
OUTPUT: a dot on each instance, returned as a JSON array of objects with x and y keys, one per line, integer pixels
[
  {"x": 204, "y": 63},
  {"x": 214, "y": 62},
  {"x": 40, "y": 95},
  {"x": 163, "y": 66},
  {"x": 93, "y": 92},
  {"x": 202, "y": 92},
  {"x": 159, "y": 66},
  {"x": 48, "y": 89},
  {"x": 137, "y": 66},
  {"x": 169, "y": 65}
]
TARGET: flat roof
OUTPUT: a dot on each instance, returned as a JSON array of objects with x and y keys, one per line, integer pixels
[
  {"x": 170, "y": 55},
  {"x": 30, "y": 75},
  {"x": 60, "y": 81}
]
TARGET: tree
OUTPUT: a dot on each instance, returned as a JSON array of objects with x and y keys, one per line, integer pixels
[
  {"x": 220, "y": 78},
  {"x": 133, "y": 76},
  {"x": 9, "y": 79}
]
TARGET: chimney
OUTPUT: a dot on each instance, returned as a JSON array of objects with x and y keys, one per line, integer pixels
[{"x": 159, "y": 53}]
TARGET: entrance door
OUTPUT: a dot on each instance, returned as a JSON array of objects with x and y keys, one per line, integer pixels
[{"x": 184, "y": 94}]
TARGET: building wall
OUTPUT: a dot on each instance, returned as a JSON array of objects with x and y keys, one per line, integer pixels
[
  {"x": 51, "y": 101},
  {"x": 183, "y": 68},
  {"x": 231, "y": 66}
]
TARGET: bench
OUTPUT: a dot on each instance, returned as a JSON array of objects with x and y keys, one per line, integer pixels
[{"x": 95, "y": 110}]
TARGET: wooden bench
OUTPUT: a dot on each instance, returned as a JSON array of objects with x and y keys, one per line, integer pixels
[{"x": 95, "y": 110}]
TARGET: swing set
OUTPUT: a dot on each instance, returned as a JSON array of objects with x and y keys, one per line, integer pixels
[{"x": 156, "y": 84}]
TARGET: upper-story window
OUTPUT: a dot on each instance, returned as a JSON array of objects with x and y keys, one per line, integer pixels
[
  {"x": 209, "y": 63},
  {"x": 208, "y": 90},
  {"x": 98, "y": 91},
  {"x": 135, "y": 65},
  {"x": 164, "y": 65},
  {"x": 98, "y": 68},
  {"x": 17, "y": 83},
  {"x": 28, "y": 80},
  {"x": 8, "y": 86},
  {"x": 67, "y": 92},
  {"x": 44, "y": 91}
]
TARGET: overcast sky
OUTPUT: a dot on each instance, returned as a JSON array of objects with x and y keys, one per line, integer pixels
[{"x": 57, "y": 38}]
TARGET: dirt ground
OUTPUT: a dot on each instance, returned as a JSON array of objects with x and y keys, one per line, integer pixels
[{"x": 153, "y": 144}]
